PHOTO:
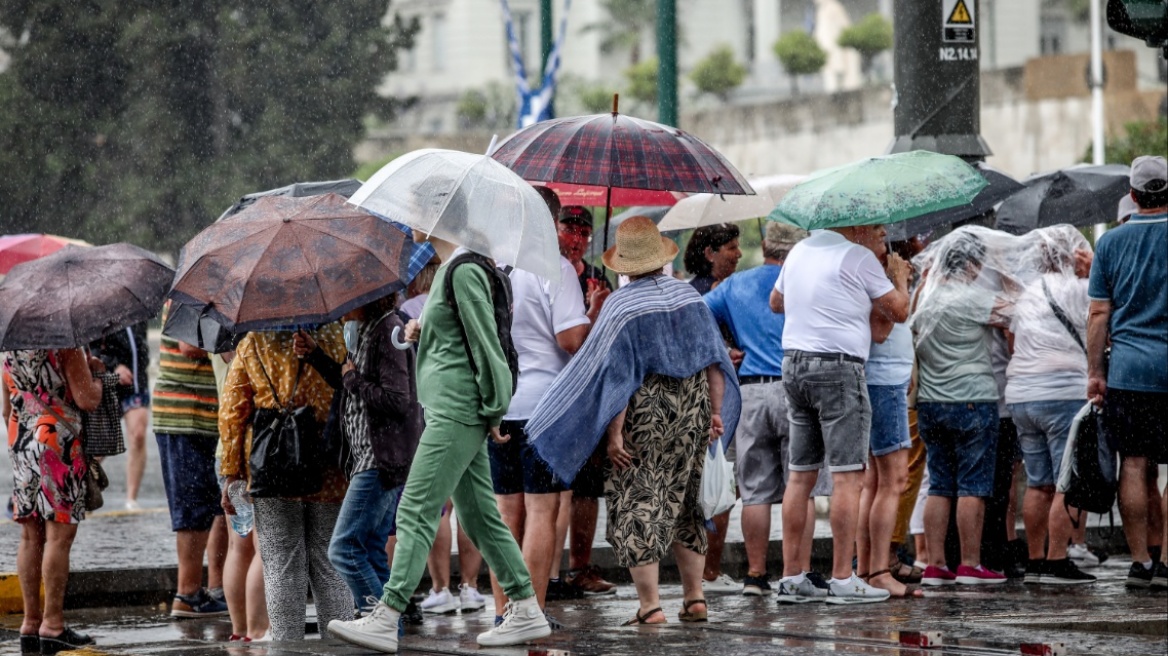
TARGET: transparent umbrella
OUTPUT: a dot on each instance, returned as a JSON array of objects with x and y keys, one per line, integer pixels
[
  {"x": 470, "y": 200},
  {"x": 711, "y": 209}
]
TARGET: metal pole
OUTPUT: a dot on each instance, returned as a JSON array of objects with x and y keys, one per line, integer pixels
[
  {"x": 1097, "y": 143},
  {"x": 545, "y": 44},
  {"x": 667, "y": 62}
]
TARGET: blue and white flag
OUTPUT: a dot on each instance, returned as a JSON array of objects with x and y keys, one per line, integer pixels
[{"x": 535, "y": 104}]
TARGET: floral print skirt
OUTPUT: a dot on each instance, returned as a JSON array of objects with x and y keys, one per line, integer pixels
[
  {"x": 656, "y": 502},
  {"x": 48, "y": 471}
]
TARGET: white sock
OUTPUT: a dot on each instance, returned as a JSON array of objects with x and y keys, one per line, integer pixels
[
  {"x": 836, "y": 581},
  {"x": 1147, "y": 564},
  {"x": 797, "y": 579}
]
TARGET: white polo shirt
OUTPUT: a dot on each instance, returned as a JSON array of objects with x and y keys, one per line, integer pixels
[
  {"x": 541, "y": 311},
  {"x": 828, "y": 284}
]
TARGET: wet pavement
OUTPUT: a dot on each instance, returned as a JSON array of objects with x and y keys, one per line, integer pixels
[{"x": 1101, "y": 619}]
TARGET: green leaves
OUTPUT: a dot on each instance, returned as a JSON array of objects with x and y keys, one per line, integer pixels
[
  {"x": 718, "y": 74},
  {"x": 799, "y": 54}
]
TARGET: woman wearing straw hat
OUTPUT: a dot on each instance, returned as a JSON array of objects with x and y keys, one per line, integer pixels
[{"x": 655, "y": 381}]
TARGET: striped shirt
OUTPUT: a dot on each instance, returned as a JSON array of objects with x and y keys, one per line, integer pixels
[{"x": 185, "y": 401}]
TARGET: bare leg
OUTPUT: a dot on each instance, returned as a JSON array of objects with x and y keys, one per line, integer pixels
[
  {"x": 470, "y": 561},
  {"x": 808, "y": 540},
  {"x": 795, "y": 514},
  {"x": 55, "y": 574},
  {"x": 216, "y": 552},
  {"x": 1012, "y": 506},
  {"x": 563, "y": 520},
  {"x": 863, "y": 539},
  {"x": 1155, "y": 514},
  {"x": 937, "y": 511},
  {"x": 389, "y": 546},
  {"x": 513, "y": 511},
  {"x": 1037, "y": 512},
  {"x": 29, "y": 559},
  {"x": 539, "y": 538},
  {"x": 190, "y": 545},
  {"x": 756, "y": 533},
  {"x": 970, "y": 518},
  {"x": 645, "y": 581},
  {"x": 582, "y": 531},
  {"x": 891, "y": 477},
  {"x": 438, "y": 562},
  {"x": 1133, "y": 506},
  {"x": 240, "y": 552},
  {"x": 136, "y": 420},
  {"x": 257, "y": 603},
  {"x": 1059, "y": 525},
  {"x": 921, "y": 547},
  {"x": 845, "y": 508},
  {"x": 690, "y": 565},
  {"x": 716, "y": 541}
]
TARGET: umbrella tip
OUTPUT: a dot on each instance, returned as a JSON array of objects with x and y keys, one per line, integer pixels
[{"x": 615, "y": 103}]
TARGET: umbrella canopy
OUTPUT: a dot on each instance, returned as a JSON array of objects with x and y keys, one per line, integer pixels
[
  {"x": 345, "y": 187},
  {"x": 470, "y": 200},
  {"x": 999, "y": 187},
  {"x": 77, "y": 295},
  {"x": 880, "y": 190},
  {"x": 711, "y": 209},
  {"x": 1080, "y": 196},
  {"x": 15, "y": 249},
  {"x": 285, "y": 261},
  {"x": 573, "y": 194}
]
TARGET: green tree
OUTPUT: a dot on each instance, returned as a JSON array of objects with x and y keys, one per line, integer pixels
[
  {"x": 625, "y": 26},
  {"x": 869, "y": 37},
  {"x": 472, "y": 108},
  {"x": 642, "y": 79},
  {"x": 141, "y": 121},
  {"x": 1139, "y": 138},
  {"x": 799, "y": 54},
  {"x": 718, "y": 74}
]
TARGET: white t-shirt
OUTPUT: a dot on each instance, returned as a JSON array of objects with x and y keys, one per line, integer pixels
[
  {"x": 828, "y": 284},
  {"x": 1048, "y": 365},
  {"x": 541, "y": 311}
]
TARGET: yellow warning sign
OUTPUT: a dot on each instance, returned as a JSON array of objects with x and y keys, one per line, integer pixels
[{"x": 960, "y": 15}]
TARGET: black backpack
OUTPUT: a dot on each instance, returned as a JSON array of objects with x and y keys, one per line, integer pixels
[
  {"x": 1090, "y": 489},
  {"x": 500, "y": 297}
]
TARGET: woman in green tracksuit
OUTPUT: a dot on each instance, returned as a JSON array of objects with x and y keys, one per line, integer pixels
[{"x": 463, "y": 404}]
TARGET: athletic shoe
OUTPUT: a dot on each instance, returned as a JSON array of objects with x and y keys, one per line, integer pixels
[
  {"x": 979, "y": 575},
  {"x": 802, "y": 592},
  {"x": 560, "y": 590},
  {"x": 132, "y": 505},
  {"x": 722, "y": 584},
  {"x": 440, "y": 602},
  {"x": 1159, "y": 576},
  {"x": 819, "y": 581},
  {"x": 1035, "y": 569},
  {"x": 412, "y": 615},
  {"x": 938, "y": 576},
  {"x": 1064, "y": 572},
  {"x": 523, "y": 621},
  {"x": 200, "y": 604},
  {"x": 590, "y": 582},
  {"x": 217, "y": 594},
  {"x": 470, "y": 599},
  {"x": 1139, "y": 576},
  {"x": 756, "y": 586},
  {"x": 377, "y": 630},
  {"x": 855, "y": 591},
  {"x": 1082, "y": 556}
]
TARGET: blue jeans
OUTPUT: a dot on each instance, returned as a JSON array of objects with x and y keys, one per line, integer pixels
[
  {"x": 1043, "y": 428},
  {"x": 889, "y": 419},
  {"x": 961, "y": 445},
  {"x": 357, "y": 551}
]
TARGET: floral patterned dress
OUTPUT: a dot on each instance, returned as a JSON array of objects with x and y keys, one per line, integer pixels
[{"x": 48, "y": 465}]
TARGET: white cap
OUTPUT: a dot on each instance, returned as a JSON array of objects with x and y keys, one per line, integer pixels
[
  {"x": 1149, "y": 173},
  {"x": 1127, "y": 207}
]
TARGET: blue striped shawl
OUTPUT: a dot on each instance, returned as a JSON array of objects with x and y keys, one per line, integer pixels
[{"x": 655, "y": 325}]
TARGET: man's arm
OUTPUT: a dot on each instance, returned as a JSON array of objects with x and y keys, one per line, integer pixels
[
  {"x": 776, "y": 302},
  {"x": 1098, "y": 333}
]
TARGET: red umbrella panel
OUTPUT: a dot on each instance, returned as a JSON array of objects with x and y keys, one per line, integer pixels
[
  {"x": 15, "y": 249},
  {"x": 590, "y": 196}
]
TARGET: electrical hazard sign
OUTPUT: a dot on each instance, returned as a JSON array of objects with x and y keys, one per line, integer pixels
[{"x": 959, "y": 21}]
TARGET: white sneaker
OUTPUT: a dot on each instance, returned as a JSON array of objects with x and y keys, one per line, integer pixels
[
  {"x": 470, "y": 599},
  {"x": 440, "y": 602},
  {"x": 523, "y": 621},
  {"x": 377, "y": 630},
  {"x": 723, "y": 584},
  {"x": 132, "y": 505},
  {"x": 855, "y": 591},
  {"x": 1081, "y": 556}
]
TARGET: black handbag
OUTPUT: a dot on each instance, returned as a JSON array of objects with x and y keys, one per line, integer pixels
[
  {"x": 287, "y": 448},
  {"x": 102, "y": 427}
]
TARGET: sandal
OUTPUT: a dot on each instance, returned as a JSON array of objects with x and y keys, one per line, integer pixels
[
  {"x": 911, "y": 590},
  {"x": 913, "y": 574},
  {"x": 695, "y": 616},
  {"x": 643, "y": 619}
]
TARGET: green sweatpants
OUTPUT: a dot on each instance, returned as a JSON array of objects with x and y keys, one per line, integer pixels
[{"x": 451, "y": 462}]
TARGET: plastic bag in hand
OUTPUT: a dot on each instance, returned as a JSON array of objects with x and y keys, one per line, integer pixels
[{"x": 717, "y": 483}]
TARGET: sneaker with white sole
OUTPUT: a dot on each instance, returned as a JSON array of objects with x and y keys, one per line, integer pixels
[
  {"x": 377, "y": 630},
  {"x": 523, "y": 621},
  {"x": 801, "y": 592},
  {"x": 979, "y": 575},
  {"x": 722, "y": 584},
  {"x": 470, "y": 599},
  {"x": 855, "y": 591},
  {"x": 1082, "y": 556},
  {"x": 440, "y": 603}
]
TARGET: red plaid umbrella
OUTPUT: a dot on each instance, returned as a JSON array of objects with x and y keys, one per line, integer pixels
[{"x": 572, "y": 194}]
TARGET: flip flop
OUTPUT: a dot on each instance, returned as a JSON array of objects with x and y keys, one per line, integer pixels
[
  {"x": 696, "y": 616},
  {"x": 911, "y": 590},
  {"x": 643, "y": 619}
]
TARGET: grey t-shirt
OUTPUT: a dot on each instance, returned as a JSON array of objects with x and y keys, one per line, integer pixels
[{"x": 954, "y": 357}]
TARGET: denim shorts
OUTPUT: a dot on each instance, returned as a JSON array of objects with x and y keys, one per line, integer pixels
[
  {"x": 516, "y": 467},
  {"x": 828, "y": 411},
  {"x": 1043, "y": 428},
  {"x": 188, "y": 474},
  {"x": 889, "y": 419},
  {"x": 133, "y": 400},
  {"x": 961, "y": 442}
]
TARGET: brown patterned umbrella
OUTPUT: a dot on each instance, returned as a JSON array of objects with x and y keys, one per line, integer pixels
[{"x": 287, "y": 261}]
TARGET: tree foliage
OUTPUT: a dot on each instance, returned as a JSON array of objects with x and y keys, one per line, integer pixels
[
  {"x": 642, "y": 79},
  {"x": 141, "y": 121},
  {"x": 1139, "y": 138},
  {"x": 625, "y": 26},
  {"x": 718, "y": 73},
  {"x": 869, "y": 37},
  {"x": 800, "y": 54}
]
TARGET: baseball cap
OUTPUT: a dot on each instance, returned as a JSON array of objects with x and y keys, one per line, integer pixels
[
  {"x": 1149, "y": 173},
  {"x": 1127, "y": 207},
  {"x": 576, "y": 215},
  {"x": 781, "y": 233}
]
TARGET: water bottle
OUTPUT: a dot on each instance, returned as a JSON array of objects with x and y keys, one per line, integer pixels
[{"x": 243, "y": 519}]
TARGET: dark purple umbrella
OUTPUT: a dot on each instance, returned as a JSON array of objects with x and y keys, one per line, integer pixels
[{"x": 77, "y": 295}]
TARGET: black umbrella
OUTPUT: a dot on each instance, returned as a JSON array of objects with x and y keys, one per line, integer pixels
[
  {"x": 76, "y": 295},
  {"x": 999, "y": 187},
  {"x": 193, "y": 323},
  {"x": 1081, "y": 196}
]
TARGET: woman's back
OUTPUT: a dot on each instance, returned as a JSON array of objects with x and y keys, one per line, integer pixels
[{"x": 38, "y": 376}]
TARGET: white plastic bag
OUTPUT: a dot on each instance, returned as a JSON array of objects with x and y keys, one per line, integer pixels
[{"x": 717, "y": 483}]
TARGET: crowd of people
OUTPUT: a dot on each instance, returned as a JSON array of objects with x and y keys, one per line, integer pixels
[{"x": 909, "y": 381}]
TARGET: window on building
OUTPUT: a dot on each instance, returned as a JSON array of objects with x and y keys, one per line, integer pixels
[{"x": 438, "y": 41}]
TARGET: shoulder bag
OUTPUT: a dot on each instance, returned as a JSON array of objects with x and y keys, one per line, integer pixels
[{"x": 1062, "y": 317}]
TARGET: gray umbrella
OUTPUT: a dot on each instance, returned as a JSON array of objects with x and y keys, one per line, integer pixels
[
  {"x": 1080, "y": 196},
  {"x": 77, "y": 295}
]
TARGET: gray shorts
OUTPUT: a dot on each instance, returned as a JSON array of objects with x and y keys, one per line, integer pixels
[
  {"x": 828, "y": 410},
  {"x": 763, "y": 444}
]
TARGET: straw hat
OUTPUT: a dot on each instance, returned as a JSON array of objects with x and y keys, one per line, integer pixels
[{"x": 639, "y": 248}]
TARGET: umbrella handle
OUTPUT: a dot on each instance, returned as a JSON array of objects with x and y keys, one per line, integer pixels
[{"x": 395, "y": 339}]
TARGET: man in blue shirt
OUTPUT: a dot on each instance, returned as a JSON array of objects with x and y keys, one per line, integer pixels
[
  {"x": 1129, "y": 309},
  {"x": 739, "y": 304}
]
